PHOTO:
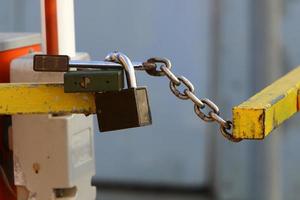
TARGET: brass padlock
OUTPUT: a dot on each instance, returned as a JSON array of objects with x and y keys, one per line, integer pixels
[{"x": 127, "y": 108}]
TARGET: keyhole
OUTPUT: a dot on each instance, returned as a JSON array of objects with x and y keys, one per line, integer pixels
[{"x": 85, "y": 82}]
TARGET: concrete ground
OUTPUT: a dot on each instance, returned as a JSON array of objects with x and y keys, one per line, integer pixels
[{"x": 132, "y": 195}]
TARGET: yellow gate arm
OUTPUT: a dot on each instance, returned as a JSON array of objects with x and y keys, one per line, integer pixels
[
  {"x": 253, "y": 119},
  {"x": 258, "y": 116},
  {"x": 43, "y": 99}
]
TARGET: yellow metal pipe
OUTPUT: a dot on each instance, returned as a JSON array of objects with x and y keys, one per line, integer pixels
[
  {"x": 43, "y": 98},
  {"x": 258, "y": 116}
]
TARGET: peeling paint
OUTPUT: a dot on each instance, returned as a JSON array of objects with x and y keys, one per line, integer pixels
[
  {"x": 43, "y": 99},
  {"x": 262, "y": 113}
]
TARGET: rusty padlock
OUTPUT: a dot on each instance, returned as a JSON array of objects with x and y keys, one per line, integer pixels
[{"x": 126, "y": 108}]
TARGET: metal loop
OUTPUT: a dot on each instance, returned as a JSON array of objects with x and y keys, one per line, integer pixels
[
  {"x": 170, "y": 75},
  {"x": 225, "y": 132},
  {"x": 207, "y": 117},
  {"x": 188, "y": 85},
  {"x": 147, "y": 66},
  {"x": 194, "y": 98},
  {"x": 121, "y": 58},
  {"x": 154, "y": 71},
  {"x": 219, "y": 119}
]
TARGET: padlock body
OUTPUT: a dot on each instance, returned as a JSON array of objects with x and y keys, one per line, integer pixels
[{"x": 127, "y": 108}]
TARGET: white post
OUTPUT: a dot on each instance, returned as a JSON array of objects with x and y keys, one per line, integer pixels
[
  {"x": 66, "y": 27},
  {"x": 43, "y": 27},
  {"x": 58, "y": 27}
]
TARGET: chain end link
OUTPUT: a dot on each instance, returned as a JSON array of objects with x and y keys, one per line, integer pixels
[
  {"x": 153, "y": 71},
  {"x": 225, "y": 132}
]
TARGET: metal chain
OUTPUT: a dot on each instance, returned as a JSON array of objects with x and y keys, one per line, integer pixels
[{"x": 213, "y": 115}]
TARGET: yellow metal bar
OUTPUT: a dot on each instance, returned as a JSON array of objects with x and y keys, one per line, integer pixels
[
  {"x": 253, "y": 119},
  {"x": 43, "y": 98},
  {"x": 258, "y": 116}
]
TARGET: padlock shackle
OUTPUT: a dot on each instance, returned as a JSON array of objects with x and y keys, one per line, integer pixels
[{"x": 127, "y": 64}]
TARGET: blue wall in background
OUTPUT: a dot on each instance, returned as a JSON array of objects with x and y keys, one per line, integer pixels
[{"x": 172, "y": 150}]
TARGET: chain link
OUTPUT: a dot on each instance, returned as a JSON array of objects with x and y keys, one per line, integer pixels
[
  {"x": 207, "y": 103},
  {"x": 213, "y": 113},
  {"x": 194, "y": 99},
  {"x": 182, "y": 80},
  {"x": 153, "y": 71},
  {"x": 170, "y": 75}
]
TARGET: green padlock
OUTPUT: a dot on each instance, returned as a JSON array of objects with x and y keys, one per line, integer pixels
[{"x": 94, "y": 80}]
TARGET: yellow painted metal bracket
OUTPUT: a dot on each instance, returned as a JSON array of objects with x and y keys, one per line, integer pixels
[
  {"x": 253, "y": 119},
  {"x": 42, "y": 99},
  {"x": 258, "y": 116}
]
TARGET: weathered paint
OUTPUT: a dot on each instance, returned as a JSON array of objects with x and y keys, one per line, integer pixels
[
  {"x": 43, "y": 98},
  {"x": 258, "y": 116}
]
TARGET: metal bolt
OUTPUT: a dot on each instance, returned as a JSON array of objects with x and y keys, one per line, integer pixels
[{"x": 85, "y": 82}]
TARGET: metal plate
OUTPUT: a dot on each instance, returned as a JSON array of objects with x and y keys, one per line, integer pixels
[
  {"x": 93, "y": 81},
  {"x": 51, "y": 63}
]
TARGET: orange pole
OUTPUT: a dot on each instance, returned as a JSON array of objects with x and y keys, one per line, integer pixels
[{"x": 51, "y": 27}]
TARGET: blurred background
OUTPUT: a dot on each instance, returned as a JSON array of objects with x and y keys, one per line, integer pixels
[{"x": 229, "y": 49}]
